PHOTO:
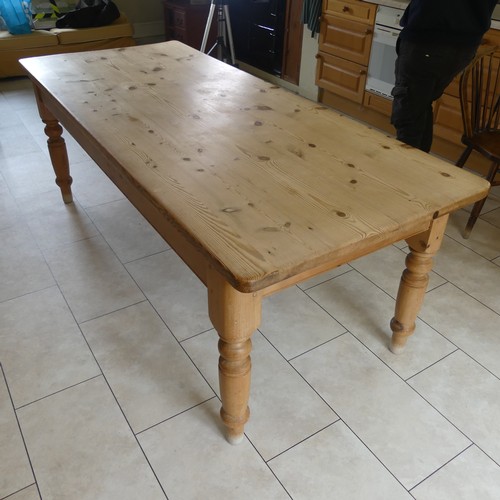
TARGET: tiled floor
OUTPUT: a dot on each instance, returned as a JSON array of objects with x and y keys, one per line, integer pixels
[{"x": 108, "y": 382}]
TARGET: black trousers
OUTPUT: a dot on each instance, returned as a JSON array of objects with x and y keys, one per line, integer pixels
[{"x": 423, "y": 71}]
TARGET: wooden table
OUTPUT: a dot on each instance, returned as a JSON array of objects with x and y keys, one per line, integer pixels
[{"x": 255, "y": 188}]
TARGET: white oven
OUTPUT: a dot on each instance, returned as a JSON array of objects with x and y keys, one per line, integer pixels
[{"x": 381, "y": 77}]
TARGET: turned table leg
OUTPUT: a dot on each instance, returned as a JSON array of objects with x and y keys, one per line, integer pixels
[
  {"x": 57, "y": 149},
  {"x": 414, "y": 282},
  {"x": 235, "y": 316}
]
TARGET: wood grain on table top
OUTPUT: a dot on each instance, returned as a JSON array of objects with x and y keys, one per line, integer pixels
[{"x": 265, "y": 183}]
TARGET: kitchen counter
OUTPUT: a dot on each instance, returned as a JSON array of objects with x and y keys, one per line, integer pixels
[
  {"x": 402, "y": 4},
  {"x": 397, "y": 4}
]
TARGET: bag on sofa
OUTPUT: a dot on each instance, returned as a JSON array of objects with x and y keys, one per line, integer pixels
[
  {"x": 16, "y": 15},
  {"x": 100, "y": 14}
]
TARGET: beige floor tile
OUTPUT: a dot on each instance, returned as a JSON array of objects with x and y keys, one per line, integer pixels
[
  {"x": 149, "y": 373},
  {"x": 9, "y": 212},
  {"x": 41, "y": 348},
  {"x": 16, "y": 142},
  {"x": 203, "y": 350},
  {"x": 20, "y": 94},
  {"x": 334, "y": 463},
  {"x": 470, "y": 325},
  {"x": 174, "y": 291},
  {"x": 408, "y": 436},
  {"x": 33, "y": 123},
  {"x": 29, "y": 493},
  {"x": 81, "y": 447},
  {"x": 321, "y": 278},
  {"x": 467, "y": 395},
  {"x": 365, "y": 310},
  {"x": 34, "y": 205},
  {"x": 15, "y": 469},
  {"x": 10, "y": 117},
  {"x": 53, "y": 222},
  {"x": 29, "y": 173},
  {"x": 193, "y": 461},
  {"x": 384, "y": 268},
  {"x": 493, "y": 217},
  {"x": 91, "y": 186},
  {"x": 293, "y": 323},
  {"x": 470, "y": 272},
  {"x": 401, "y": 244},
  {"x": 284, "y": 409},
  {"x": 92, "y": 279},
  {"x": 22, "y": 266},
  {"x": 484, "y": 238},
  {"x": 127, "y": 232},
  {"x": 471, "y": 475}
]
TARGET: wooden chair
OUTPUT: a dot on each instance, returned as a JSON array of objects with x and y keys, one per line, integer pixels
[{"x": 480, "y": 103}]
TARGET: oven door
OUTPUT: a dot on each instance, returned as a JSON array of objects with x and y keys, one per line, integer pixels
[{"x": 381, "y": 77}]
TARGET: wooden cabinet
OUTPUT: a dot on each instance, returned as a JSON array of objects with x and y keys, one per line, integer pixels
[
  {"x": 186, "y": 23},
  {"x": 342, "y": 77},
  {"x": 342, "y": 66},
  {"x": 448, "y": 119},
  {"x": 378, "y": 103},
  {"x": 351, "y": 9},
  {"x": 345, "y": 38}
]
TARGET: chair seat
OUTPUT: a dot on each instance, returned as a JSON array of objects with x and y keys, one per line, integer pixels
[{"x": 486, "y": 143}]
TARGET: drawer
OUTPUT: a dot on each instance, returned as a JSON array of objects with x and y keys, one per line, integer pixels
[
  {"x": 341, "y": 77},
  {"x": 357, "y": 11},
  {"x": 178, "y": 34},
  {"x": 344, "y": 38},
  {"x": 378, "y": 103},
  {"x": 177, "y": 18}
]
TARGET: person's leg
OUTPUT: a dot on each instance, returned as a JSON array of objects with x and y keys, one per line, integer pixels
[
  {"x": 428, "y": 131},
  {"x": 450, "y": 61},
  {"x": 413, "y": 95},
  {"x": 422, "y": 74}
]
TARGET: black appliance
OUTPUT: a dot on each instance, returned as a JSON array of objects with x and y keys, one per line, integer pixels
[{"x": 258, "y": 28}]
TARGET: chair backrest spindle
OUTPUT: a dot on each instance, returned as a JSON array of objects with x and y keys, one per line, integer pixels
[
  {"x": 480, "y": 105},
  {"x": 480, "y": 93}
]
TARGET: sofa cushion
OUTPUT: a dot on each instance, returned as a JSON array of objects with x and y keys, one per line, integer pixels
[
  {"x": 119, "y": 29},
  {"x": 57, "y": 41},
  {"x": 27, "y": 41}
]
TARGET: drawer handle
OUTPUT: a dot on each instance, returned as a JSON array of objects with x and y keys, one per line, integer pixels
[
  {"x": 346, "y": 8},
  {"x": 362, "y": 72},
  {"x": 369, "y": 31}
]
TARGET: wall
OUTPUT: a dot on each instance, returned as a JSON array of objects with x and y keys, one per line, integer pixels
[
  {"x": 147, "y": 18},
  {"x": 307, "y": 86}
]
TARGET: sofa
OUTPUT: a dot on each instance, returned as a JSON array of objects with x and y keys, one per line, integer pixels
[{"x": 60, "y": 40}]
